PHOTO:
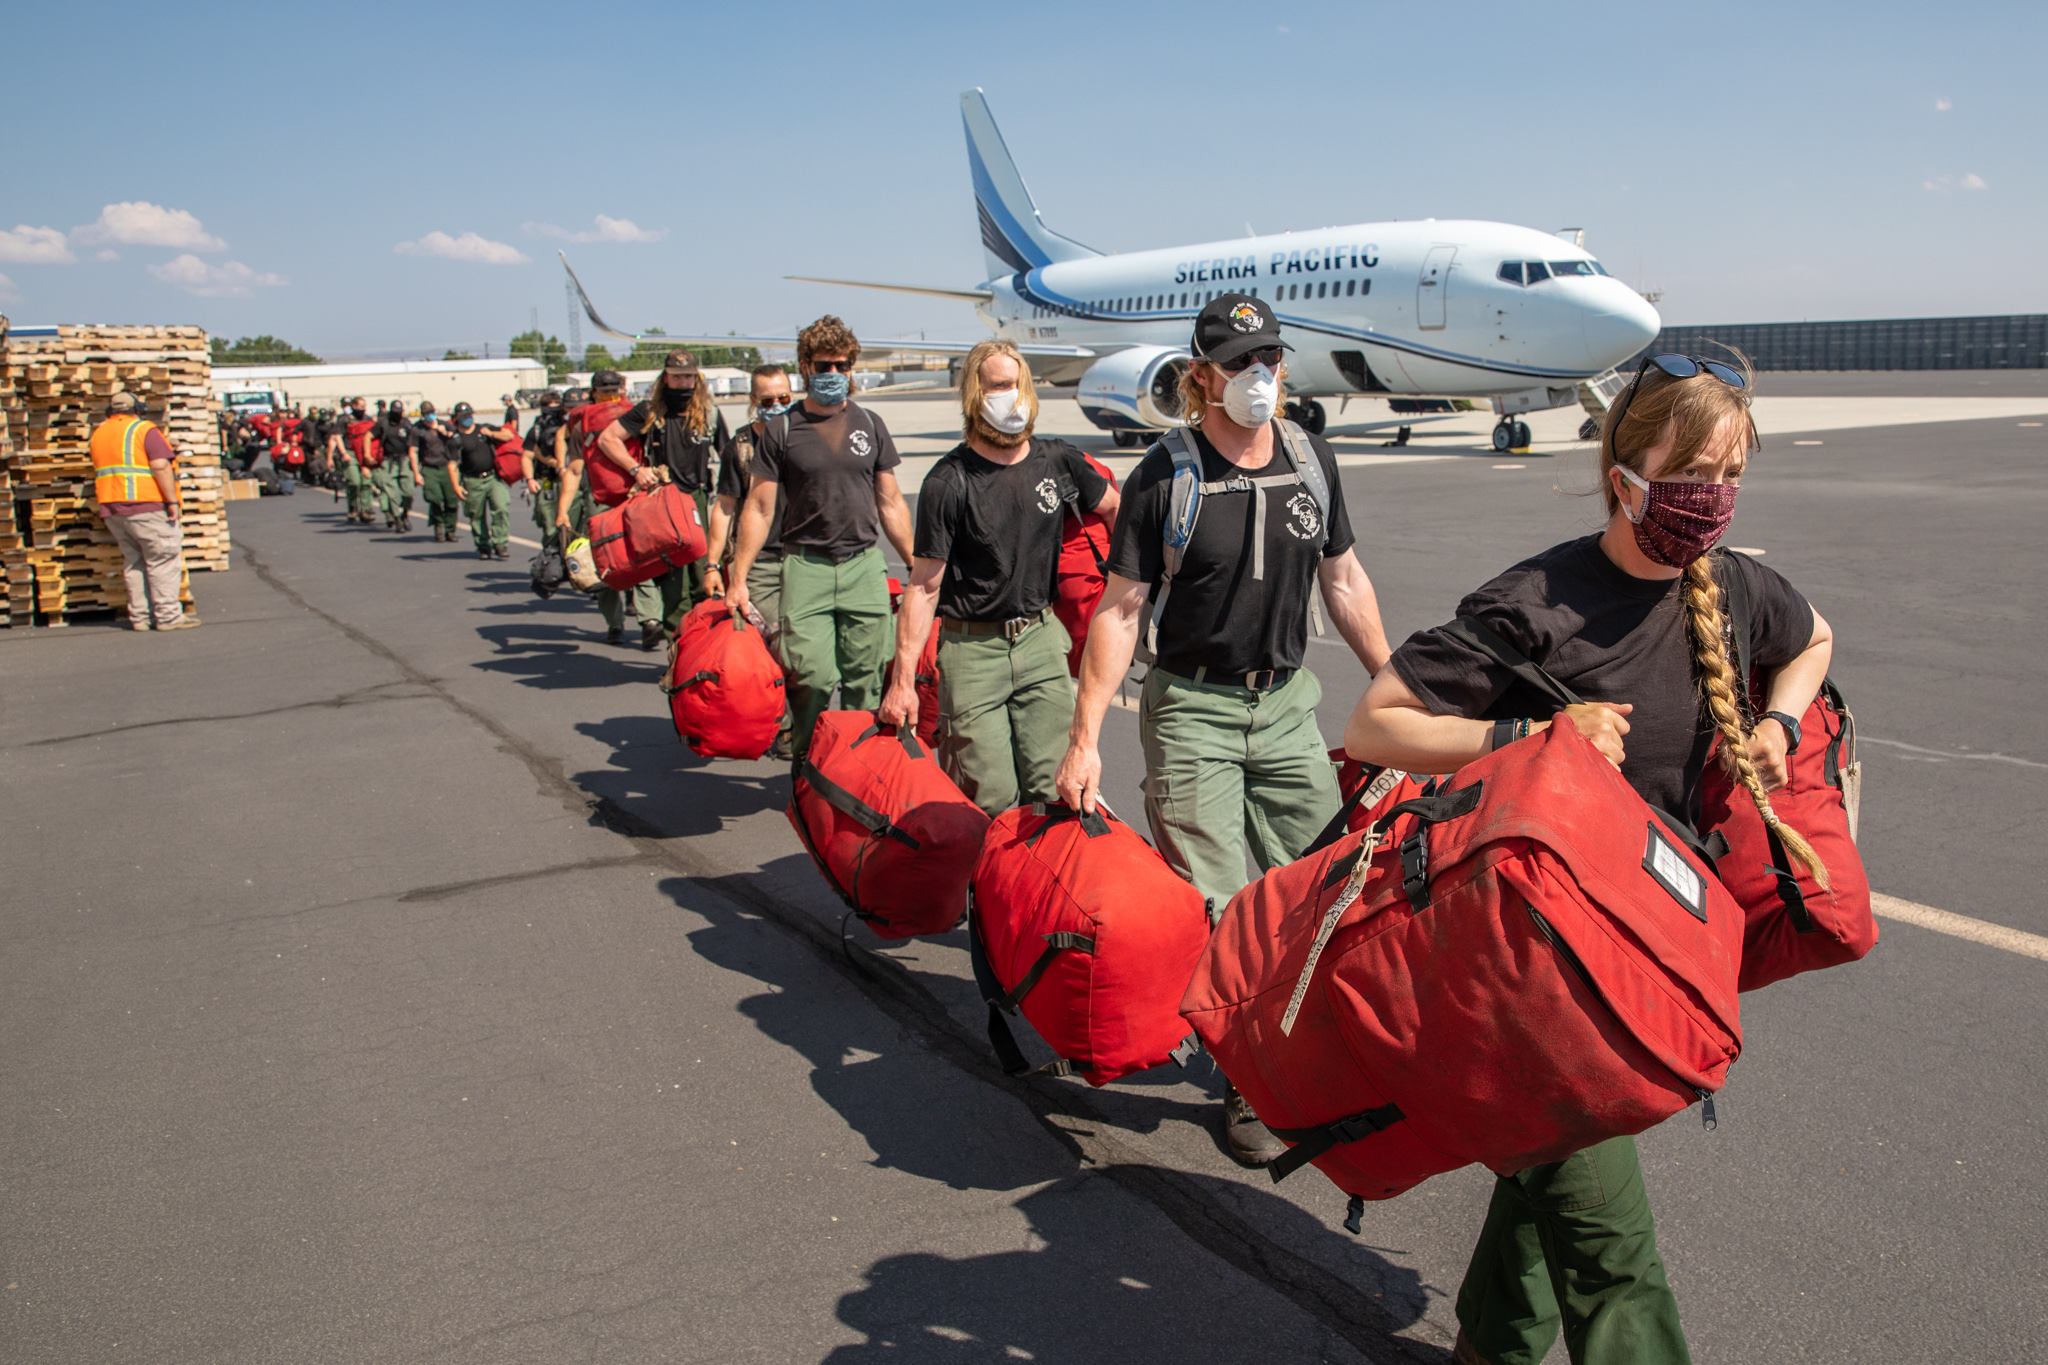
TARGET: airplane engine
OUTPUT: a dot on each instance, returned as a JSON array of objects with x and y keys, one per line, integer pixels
[{"x": 1133, "y": 390}]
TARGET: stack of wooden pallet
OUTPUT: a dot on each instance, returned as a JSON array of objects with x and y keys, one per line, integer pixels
[
  {"x": 57, "y": 381},
  {"x": 16, "y": 577}
]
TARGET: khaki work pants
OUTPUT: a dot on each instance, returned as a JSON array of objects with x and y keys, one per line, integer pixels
[{"x": 152, "y": 560}]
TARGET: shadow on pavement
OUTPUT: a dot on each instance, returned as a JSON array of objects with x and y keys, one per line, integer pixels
[
  {"x": 655, "y": 778},
  {"x": 553, "y": 656}
]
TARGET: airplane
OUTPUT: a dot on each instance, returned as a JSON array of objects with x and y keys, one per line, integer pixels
[{"x": 1408, "y": 311}]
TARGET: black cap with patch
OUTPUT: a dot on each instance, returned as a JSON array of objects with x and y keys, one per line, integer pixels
[
  {"x": 1232, "y": 324},
  {"x": 607, "y": 379}
]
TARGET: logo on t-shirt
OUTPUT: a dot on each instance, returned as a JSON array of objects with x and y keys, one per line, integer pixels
[
  {"x": 1305, "y": 519},
  {"x": 1048, "y": 496},
  {"x": 860, "y": 445}
]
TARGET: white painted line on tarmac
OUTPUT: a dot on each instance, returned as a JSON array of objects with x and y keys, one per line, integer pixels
[
  {"x": 1745, "y": 549},
  {"x": 1926, "y": 755},
  {"x": 1962, "y": 926}
]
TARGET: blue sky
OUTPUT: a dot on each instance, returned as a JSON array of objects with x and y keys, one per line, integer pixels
[{"x": 285, "y": 169}]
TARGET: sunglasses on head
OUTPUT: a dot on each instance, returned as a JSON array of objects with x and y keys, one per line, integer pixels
[
  {"x": 1269, "y": 356},
  {"x": 1678, "y": 367},
  {"x": 821, "y": 366}
]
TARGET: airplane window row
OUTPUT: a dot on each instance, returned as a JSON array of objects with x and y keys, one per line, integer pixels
[
  {"x": 1146, "y": 303},
  {"x": 1535, "y": 272}
]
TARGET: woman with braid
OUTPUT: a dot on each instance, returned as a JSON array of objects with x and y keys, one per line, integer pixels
[{"x": 1631, "y": 619}]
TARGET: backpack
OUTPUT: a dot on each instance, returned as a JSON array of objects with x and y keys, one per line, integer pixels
[
  {"x": 1083, "y": 570},
  {"x": 1184, "y": 508},
  {"x": 550, "y": 568}
]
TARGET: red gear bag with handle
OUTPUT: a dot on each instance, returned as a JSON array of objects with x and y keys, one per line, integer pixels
[
  {"x": 507, "y": 457},
  {"x": 645, "y": 536},
  {"x": 1794, "y": 924},
  {"x": 364, "y": 445},
  {"x": 926, "y": 677},
  {"x": 725, "y": 691},
  {"x": 1084, "y": 553},
  {"x": 1095, "y": 937},
  {"x": 887, "y": 827},
  {"x": 1522, "y": 965}
]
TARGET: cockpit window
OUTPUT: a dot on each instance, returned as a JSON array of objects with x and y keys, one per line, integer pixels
[
  {"x": 1535, "y": 270},
  {"x": 1511, "y": 271},
  {"x": 1563, "y": 268}
]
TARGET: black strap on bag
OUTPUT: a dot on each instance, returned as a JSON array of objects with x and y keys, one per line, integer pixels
[
  {"x": 1334, "y": 831},
  {"x": 1310, "y": 1143},
  {"x": 1053, "y": 812},
  {"x": 858, "y": 810},
  {"x": 1736, "y": 588},
  {"x": 1000, "y": 1002},
  {"x": 904, "y": 733}
]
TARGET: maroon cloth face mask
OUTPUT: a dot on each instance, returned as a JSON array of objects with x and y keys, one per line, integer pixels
[{"x": 1678, "y": 522}]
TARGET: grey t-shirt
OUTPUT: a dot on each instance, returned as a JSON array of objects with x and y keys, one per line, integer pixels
[{"x": 827, "y": 467}]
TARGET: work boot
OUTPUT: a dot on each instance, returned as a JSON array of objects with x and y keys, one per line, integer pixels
[
  {"x": 1250, "y": 1141},
  {"x": 1465, "y": 1353},
  {"x": 185, "y": 622},
  {"x": 502, "y": 552},
  {"x": 405, "y": 522},
  {"x": 483, "y": 552},
  {"x": 614, "y": 634},
  {"x": 782, "y": 749},
  {"x": 650, "y": 635}
]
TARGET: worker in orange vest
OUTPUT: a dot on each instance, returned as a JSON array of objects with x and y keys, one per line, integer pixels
[{"x": 135, "y": 482}]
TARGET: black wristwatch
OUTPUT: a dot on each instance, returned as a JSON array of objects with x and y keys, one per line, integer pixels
[{"x": 1791, "y": 725}]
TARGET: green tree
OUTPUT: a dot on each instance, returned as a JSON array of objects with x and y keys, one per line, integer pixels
[
  {"x": 457, "y": 355},
  {"x": 648, "y": 354},
  {"x": 596, "y": 357},
  {"x": 549, "y": 351},
  {"x": 263, "y": 350}
]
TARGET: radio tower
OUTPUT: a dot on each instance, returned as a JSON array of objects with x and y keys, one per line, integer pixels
[{"x": 575, "y": 324}]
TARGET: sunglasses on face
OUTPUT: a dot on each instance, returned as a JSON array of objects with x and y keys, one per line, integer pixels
[
  {"x": 1269, "y": 356},
  {"x": 1678, "y": 367},
  {"x": 824, "y": 366}
]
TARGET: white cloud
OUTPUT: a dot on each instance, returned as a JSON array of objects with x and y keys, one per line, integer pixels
[
  {"x": 145, "y": 224},
  {"x": 106, "y": 254},
  {"x": 27, "y": 245},
  {"x": 1943, "y": 105},
  {"x": 232, "y": 280},
  {"x": 1945, "y": 184},
  {"x": 8, "y": 293},
  {"x": 607, "y": 230},
  {"x": 467, "y": 247}
]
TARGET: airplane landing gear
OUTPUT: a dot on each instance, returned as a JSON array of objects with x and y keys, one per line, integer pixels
[
  {"x": 1510, "y": 435},
  {"x": 1309, "y": 413},
  {"x": 1126, "y": 439}
]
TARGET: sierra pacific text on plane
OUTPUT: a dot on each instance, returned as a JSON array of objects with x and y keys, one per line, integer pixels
[{"x": 1283, "y": 263}]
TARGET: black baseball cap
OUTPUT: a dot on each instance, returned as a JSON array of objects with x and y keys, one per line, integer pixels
[
  {"x": 463, "y": 410},
  {"x": 607, "y": 379},
  {"x": 1232, "y": 324}
]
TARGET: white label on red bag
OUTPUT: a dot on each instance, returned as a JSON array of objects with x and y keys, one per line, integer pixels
[{"x": 1663, "y": 861}]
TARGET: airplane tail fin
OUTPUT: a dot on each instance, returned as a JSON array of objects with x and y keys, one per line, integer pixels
[{"x": 1013, "y": 236}]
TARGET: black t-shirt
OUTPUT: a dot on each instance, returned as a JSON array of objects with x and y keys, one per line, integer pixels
[
  {"x": 686, "y": 453},
  {"x": 1218, "y": 615},
  {"x": 827, "y": 467},
  {"x": 1609, "y": 637},
  {"x": 998, "y": 527},
  {"x": 429, "y": 445},
  {"x": 734, "y": 482},
  {"x": 475, "y": 452},
  {"x": 540, "y": 439},
  {"x": 395, "y": 436}
]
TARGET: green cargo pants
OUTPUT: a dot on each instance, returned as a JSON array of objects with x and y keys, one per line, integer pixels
[
  {"x": 444, "y": 509},
  {"x": 658, "y": 599},
  {"x": 764, "y": 592},
  {"x": 489, "y": 504},
  {"x": 1004, "y": 710},
  {"x": 401, "y": 490},
  {"x": 1224, "y": 765},
  {"x": 835, "y": 634},
  {"x": 362, "y": 490},
  {"x": 545, "y": 503},
  {"x": 1572, "y": 1244}
]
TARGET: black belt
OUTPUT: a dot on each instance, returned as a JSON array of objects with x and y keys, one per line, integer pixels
[
  {"x": 1259, "y": 680},
  {"x": 1011, "y": 629}
]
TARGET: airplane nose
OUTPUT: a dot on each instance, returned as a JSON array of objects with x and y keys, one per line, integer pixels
[{"x": 1619, "y": 325}]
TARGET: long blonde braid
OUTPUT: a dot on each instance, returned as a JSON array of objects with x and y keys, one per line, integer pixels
[{"x": 1718, "y": 683}]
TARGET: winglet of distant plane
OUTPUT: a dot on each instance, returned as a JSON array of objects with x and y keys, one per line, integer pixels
[
  {"x": 971, "y": 295},
  {"x": 591, "y": 312}
]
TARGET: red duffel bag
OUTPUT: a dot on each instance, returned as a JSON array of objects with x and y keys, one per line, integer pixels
[
  {"x": 886, "y": 826},
  {"x": 927, "y": 676},
  {"x": 645, "y": 536},
  {"x": 1507, "y": 972},
  {"x": 725, "y": 691},
  {"x": 1369, "y": 791},
  {"x": 1084, "y": 552},
  {"x": 511, "y": 468},
  {"x": 1082, "y": 925}
]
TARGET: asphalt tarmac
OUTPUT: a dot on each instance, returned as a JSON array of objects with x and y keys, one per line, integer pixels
[{"x": 385, "y": 983}]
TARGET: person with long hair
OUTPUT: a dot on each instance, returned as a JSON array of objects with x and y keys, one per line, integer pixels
[
  {"x": 1227, "y": 718},
  {"x": 1632, "y": 619},
  {"x": 990, "y": 519}
]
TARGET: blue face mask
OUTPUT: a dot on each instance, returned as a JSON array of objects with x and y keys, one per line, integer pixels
[
  {"x": 465, "y": 422},
  {"x": 775, "y": 408},
  {"x": 830, "y": 388}
]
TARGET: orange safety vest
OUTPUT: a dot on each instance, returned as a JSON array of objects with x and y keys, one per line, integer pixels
[{"x": 119, "y": 461}]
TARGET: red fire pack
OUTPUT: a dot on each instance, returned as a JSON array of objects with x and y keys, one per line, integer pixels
[
  {"x": 1507, "y": 972},
  {"x": 1794, "y": 925},
  {"x": 511, "y": 468},
  {"x": 1082, "y": 925},
  {"x": 725, "y": 692},
  {"x": 364, "y": 445},
  {"x": 645, "y": 536},
  {"x": 886, "y": 826},
  {"x": 1082, "y": 576}
]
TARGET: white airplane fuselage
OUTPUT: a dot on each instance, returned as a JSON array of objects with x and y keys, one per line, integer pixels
[{"x": 1422, "y": 304}]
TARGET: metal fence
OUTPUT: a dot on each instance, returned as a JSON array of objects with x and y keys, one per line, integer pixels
[{"x": 2017, "y": 342}]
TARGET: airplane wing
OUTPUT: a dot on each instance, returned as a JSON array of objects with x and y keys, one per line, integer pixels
[
  {"x": 970, "y": 295},
  {"x": 867, "y": 348}
]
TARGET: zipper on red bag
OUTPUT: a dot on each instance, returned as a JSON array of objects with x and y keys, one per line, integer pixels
[{"x": 1564, "y": 950}]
